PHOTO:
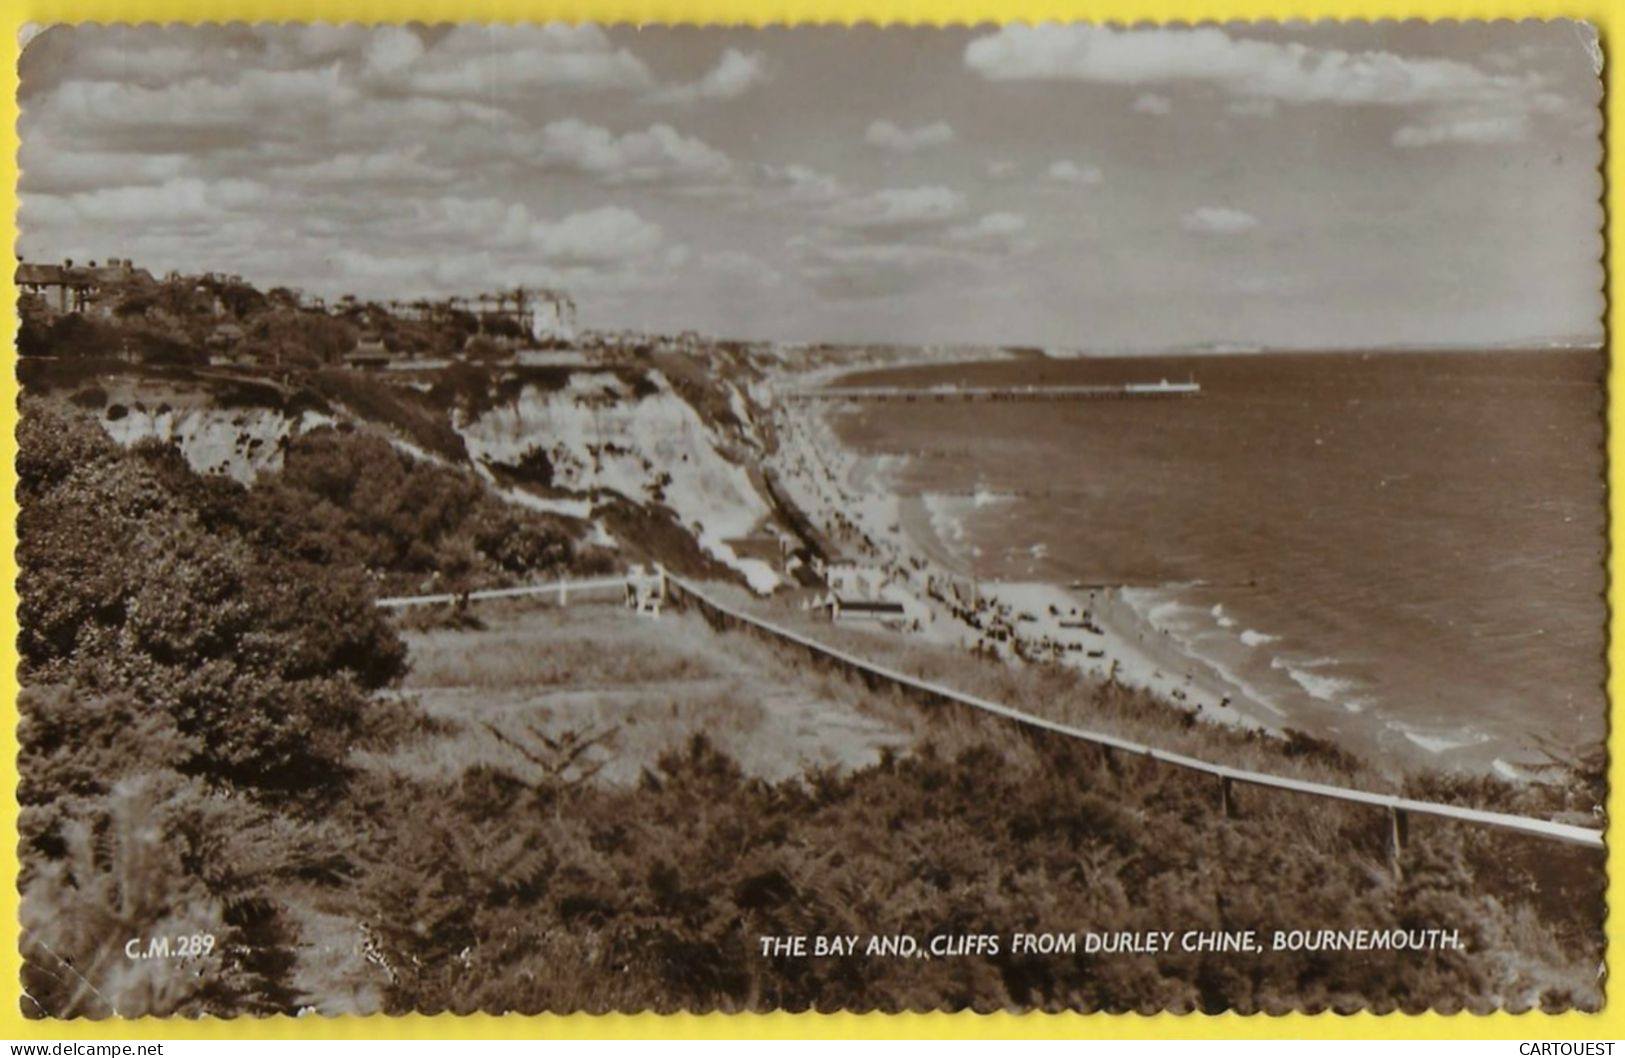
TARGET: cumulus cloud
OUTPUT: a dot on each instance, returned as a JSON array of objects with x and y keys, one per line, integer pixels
[
  {"x": 1462, "y": 102},
  {"x": 190, "y": 113},
  {"x": 181, "y": 200},
  {"x": 897, "y": 241},
  {"x": 1250, "y": 108},
  {"x": 1151, "y": 103},
  {"x": 1454, "y": 101},
  {"x": 656, "y": 153},
  {"x": 853, "y": 271},
  {"x": 480, "y": 61},
  {"x": 994, "y": 231},
  {"x": 1218, "y": 220},
  {"x": 50, "y": 170},
  {"x": 1066, "y": 171},
  {"x": 391, "y": 50},
  {"x": 795, "y": 185},
  {"x": 392, "y": 166},
  {"x": 152, "y": 55},
  {"x": 735, "y": 74},
  {"x": 893, "y": 209},
  {"x": 1289, "y": 72},
  {"x": 1002, "y": 169},
  {"x": 888, "y": 136},
  {"x": 996, "y": 224},
  {"x": 599, "y": 236},
  {"x": 1463, "y": 128},
  {"x": 739, "y": 268},
  {"x": 607, "y": 247}
]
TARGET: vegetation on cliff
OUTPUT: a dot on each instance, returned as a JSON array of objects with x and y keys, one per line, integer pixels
[{"x": 198, "y": 714}]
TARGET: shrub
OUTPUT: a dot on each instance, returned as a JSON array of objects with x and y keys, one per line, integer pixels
[
  {"x": 355, "y": 500},
  {"x": 656, "y": 897},
  {"x": 404, "y": 410},
  {"x": 76, "y": 335},
  {"x": 123, "y": 876},
  {"x": 261, "y": 662}
]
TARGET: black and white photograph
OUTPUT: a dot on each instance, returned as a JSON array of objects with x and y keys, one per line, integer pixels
[{"x": 571, "y": 517}]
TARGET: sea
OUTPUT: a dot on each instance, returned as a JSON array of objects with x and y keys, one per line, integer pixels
[{"x": 1402, "y": 552}]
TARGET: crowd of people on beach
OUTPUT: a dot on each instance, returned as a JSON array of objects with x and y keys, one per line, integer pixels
[{"x": 825, "y": 480}]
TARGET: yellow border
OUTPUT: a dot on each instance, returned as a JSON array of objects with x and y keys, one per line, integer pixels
[{"x": 1607, "y": 15}]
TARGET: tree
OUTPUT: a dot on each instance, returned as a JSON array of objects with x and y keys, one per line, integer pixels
[{"x": 263, "y": 661}]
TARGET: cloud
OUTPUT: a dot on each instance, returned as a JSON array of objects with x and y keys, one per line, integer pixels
[
  {"x": 735, "y": 74},
  {"x": 1251, "y": 108},
  {"x": 183, "y": 200},
  {"x": 493, "y": 240},
  {"x": 895, "y": 209},
  {"x": 187, "y": 113},
  {"x": 1459, "y": 102},
  {"x": 1151, "y": 103},
  {"x": 1002, "y": 169},
  {"x": 46, "y": 169},
  {"x": 995, "y": 224},
  {"x": 901, "y": 241},
  {"x": 854, "y": 271},
  {"x": 504, "y": 61},
  {"x": 767, "y": 186},
  {"x": 659, "y": 152},
  {"x": 1218, "y": 220},
  {"x": 1463, "y": 128},
  {"x": 993, "y": 231},
  {"x": 381, "y": 274},
  {"x": 375, "y": 169},
  {"x": 738, "y": 267},
  {"x": 601, "y": 236},
  {"x": 887, "y": 136},
  {"x": 1070, "y": 172},
  {"x": 151, "y": 55},
  {"x": 594, "y": 237},
  {"x": 391, "y": 50},
  {"x": 1293, "y": 73},
  {"x": 364, "y": 271}
]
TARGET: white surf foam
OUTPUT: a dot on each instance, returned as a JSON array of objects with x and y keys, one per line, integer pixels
[
  {"x": 1160, "y": 616},
  {"x": 1509, "y": 771},
  {"x": 1437, "y": 742},
  {"x": 946, "y": 521},
  {"x": 986, "y": 497},
  {"x": 1324, "y": 688}
]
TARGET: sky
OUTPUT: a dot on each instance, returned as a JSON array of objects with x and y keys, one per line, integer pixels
[{"x": 1065, "y": 186}]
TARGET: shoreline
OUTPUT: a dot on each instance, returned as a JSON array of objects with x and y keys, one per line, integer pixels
[{"x": 1096, "y": 631}]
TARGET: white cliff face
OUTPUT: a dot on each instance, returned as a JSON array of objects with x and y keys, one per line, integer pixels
[
  {"x": 598, "y": 435},
  {"x": 237, "y": 442}
]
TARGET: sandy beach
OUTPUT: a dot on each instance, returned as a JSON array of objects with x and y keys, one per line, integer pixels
[{"x": 852, "y": 499}]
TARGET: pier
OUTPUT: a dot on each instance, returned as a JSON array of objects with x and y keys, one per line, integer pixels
[{"x": 1130, "y": 391}]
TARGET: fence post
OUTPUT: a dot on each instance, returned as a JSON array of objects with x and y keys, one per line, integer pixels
[
  {"x": 1399, "y": 827},
  {"x": 1227, "y": 798}
]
